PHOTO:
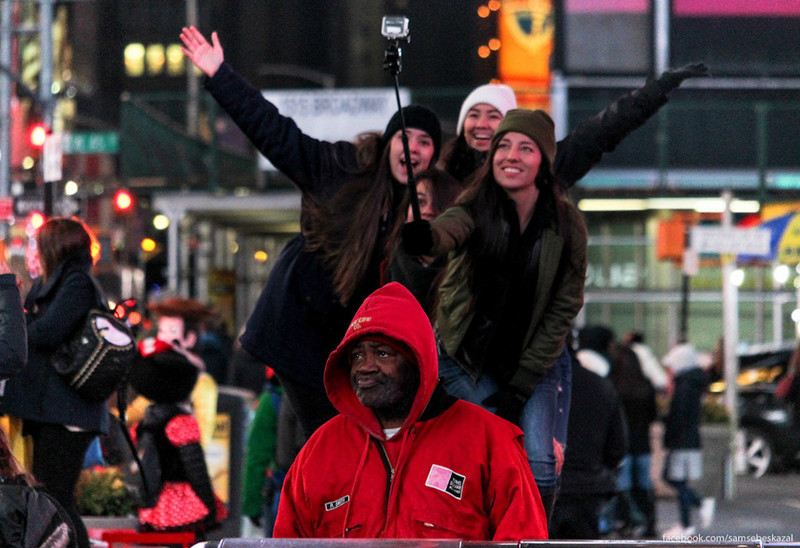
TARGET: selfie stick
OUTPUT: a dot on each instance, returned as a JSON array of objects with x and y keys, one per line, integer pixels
[{"x": 393, "y": 63}]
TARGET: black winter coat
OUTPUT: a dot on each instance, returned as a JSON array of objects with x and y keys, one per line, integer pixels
[
  {"x": 597, "y": 437},
  {"x": 29, "y": 517},
  {"x": 298, "y": 319},
  {"x": 55, "y": 310},
  {"x": 13, "y": 335},
  {"x": 682, "y": 425}
]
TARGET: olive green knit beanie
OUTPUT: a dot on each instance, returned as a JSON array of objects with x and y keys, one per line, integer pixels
[{"x": 536, "y": 124}]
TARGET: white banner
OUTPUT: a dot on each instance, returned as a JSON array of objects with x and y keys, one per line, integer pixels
[
  {"x": 723, "y": 240},
  {"x": 336, "y": 114}
]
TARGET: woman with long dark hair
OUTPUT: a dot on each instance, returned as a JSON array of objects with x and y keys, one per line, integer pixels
[
  {"x": 60, "y": 422},
  {"x": 352, "y": 194},
  {"x": 512, "y": 288}
]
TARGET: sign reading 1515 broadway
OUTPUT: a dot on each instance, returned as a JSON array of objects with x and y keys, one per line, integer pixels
[{"x": 336, "y": 114}]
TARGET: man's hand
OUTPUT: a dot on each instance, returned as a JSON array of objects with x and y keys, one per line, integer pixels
[
  {"x": 417, "y": 237},
  {"x": 206, "y": 57},
  {"x": 508, "y": 404},
  {"x": 670, "y": 79}
]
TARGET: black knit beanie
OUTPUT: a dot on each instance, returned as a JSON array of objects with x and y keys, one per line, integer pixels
[
  {"x": 536, "y": 124},
  {"x": 418, "y": 117}
]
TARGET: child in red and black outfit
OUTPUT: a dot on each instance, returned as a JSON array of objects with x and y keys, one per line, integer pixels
[{"x": 183, "y": 497}]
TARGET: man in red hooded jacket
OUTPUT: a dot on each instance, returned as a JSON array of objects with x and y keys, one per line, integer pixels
[{"x": 404, "y": 459}]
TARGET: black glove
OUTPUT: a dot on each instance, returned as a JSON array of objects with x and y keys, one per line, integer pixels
[
  {"x": 672, "y": 78},
  {"x": 255, "y": 520},
  {"x": 508, "y": 402},
  {"x": 417, "y": 237}
]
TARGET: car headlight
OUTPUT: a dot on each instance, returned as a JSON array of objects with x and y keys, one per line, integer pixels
[{"x": 776, "y": 416}]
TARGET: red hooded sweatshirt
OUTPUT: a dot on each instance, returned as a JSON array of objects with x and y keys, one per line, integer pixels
[{"x": 453, "y": 470}]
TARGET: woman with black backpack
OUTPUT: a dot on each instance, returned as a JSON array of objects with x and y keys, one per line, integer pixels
[{"x": 60, "y": 422}]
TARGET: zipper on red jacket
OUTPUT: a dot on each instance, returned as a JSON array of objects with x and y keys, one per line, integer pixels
[{"x": 388, "y": 466}]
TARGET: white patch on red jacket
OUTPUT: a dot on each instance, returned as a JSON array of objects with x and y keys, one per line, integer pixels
[
  {"x": 446, "y": 481},
  {"x": 334, "y": 504}
]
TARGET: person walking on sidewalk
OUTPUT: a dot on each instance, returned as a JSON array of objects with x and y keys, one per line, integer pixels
[{"x": 682, "y": 436}]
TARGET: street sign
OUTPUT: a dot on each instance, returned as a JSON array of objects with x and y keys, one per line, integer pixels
[
  {"x": 730, "y": 241},
  {"x": 91, "y": 142},
  {"x": 26, "y": 204},
  {"x": 53, "y": 156}
]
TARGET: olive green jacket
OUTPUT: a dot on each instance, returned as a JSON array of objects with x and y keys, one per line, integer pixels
[{"x": 557, "y": 299}]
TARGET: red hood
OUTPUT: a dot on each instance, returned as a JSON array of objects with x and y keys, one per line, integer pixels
[{"x": 392, "y": 311}]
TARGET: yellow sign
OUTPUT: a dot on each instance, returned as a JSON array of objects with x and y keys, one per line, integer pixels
[
  {"x": 789, "y": 248},
  {"x": 527, "y": 28},
  {"x": 218, "y": 456}
]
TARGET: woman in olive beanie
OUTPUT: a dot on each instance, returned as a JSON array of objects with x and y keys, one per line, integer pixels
[{"x": 512, "y": 288}]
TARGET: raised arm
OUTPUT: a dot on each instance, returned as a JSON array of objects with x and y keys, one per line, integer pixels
[
  {"x": 315, "y": 166},
  {"x": 207, "y": 57},
  {"x": 594, "y": 137}
]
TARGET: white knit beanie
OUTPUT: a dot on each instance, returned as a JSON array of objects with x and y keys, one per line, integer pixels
[
  {"x": 500, "y": 96},
  {"x": 680, "y": 358}
]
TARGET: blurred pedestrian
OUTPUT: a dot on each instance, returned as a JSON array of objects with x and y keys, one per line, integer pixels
[
  {"x": 405, "y": 459},
  {"x": 352, "y": 194},
  {"x": 650, "y": 366},
  {"x": 595, "y": 346},
  {"x": 214, "y": 346},
  {"x": 633, "y": 512},
  {"x": 273, "y": 442},
  {"x": 682, "y": 436},
  {"x": 13, "y": 334},
  {"x": 245, "y": 371},
  {"x": 60, "y": 422},
  {"x": 596, "y": 443},
  {"x": 180, "y": 496},
  {"x": 259, "y": 457},
  {"x": 788, "y": 387},
  {"x": 511, "y": 289}
]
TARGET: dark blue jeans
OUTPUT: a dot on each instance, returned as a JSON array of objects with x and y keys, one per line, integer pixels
[{"x": 544, "y": 416}]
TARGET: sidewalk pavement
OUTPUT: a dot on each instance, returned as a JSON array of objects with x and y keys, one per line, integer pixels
[{"x": 766, "y": 509}]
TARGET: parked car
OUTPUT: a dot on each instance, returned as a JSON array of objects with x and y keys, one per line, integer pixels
[{"x": 771, "y": 439}]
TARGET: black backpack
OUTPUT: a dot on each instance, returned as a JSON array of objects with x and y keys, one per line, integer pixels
[{"x": 95, "y": 361}]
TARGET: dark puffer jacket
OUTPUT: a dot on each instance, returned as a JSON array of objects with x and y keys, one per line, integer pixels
[
  {"x": 299, "y": 292},
  {"x": 29, "y": 517}
]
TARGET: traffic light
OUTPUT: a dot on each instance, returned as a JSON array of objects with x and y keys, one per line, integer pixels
[
  {"x": 37, "y": 135},
  {"x": 35, "y": 221},
  {"x": 123, "y": 201}
]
